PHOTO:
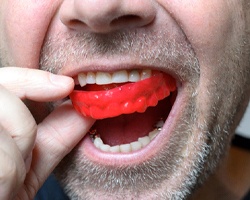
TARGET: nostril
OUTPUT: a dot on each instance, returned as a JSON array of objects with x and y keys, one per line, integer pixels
[
  {"x": 106, "y": 25},
  {"x": 76, "y": 23},
  {"x": 126, "y": 19},
  {"x": 103, "y": 16}
]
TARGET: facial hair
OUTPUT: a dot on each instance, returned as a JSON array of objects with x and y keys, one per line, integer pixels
[{"x": 171, "y": 174}]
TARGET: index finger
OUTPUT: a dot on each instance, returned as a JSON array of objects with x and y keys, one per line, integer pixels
[{"x": 35, "y": 84}]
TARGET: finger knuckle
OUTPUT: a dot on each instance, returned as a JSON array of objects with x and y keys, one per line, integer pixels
[
  {"x": 11, "y": 173},
  {"x": 8, "y": 168},
  {"x": 30, "y": 187}
]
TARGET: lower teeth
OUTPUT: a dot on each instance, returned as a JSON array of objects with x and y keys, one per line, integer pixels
[{"x": 127, "y": 148}]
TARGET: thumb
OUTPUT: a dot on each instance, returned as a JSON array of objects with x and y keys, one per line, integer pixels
[{"x": 57, "y": 135}]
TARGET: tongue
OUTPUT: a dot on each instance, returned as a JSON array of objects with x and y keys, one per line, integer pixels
[{"x": 128, "y": 128}]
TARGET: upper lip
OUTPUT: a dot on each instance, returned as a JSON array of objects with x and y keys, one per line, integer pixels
[{"x": 73, "y": 72}]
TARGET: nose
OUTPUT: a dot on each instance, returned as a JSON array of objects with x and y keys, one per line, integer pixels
[{"x": 102, "y": 16}]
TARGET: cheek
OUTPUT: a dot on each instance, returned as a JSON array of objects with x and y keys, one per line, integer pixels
[
  {"x": 25, "y": 24},
  {"x": 208, "y": 25}
]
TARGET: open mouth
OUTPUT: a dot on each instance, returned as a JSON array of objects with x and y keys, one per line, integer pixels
[{"x": 131, "y": 107}]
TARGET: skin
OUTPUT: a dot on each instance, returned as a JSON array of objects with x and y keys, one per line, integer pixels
[
  {"x": 231, "y": 180},
  {"x": 203, "y": 44}
]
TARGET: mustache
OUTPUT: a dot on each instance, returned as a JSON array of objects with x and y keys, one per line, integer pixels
[{"x": 155, "y": 48}]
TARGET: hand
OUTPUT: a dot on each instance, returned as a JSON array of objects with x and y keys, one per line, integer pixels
[{"x": 29, "y": 152}]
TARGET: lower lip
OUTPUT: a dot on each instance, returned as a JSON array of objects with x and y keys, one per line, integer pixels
[
  {"x": 87, "y": 148},
  {"x": 119, "y": 159}
]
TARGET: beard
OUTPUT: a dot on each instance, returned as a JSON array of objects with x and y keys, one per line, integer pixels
[{"x": 198, "y": 141}]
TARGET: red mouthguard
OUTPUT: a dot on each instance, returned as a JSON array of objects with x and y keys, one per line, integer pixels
[{"x": 125, "y": 99}]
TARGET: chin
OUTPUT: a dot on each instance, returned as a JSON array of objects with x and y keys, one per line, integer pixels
[{"x": 157, "y": 135}]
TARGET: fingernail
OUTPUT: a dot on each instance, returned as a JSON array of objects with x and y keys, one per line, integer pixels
[{"x": 61, "y": 81}]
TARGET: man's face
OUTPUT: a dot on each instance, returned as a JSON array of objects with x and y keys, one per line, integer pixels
[{"x": 203, "y": 45}]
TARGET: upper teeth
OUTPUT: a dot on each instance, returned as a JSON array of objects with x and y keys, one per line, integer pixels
[{"x": 122, "y": 76}]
